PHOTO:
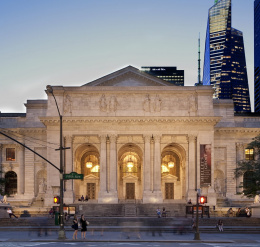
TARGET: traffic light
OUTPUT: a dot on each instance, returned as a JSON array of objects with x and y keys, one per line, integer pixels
[
  {"x": 202, "y": 199},
  {"x": 56, "y": 199}
]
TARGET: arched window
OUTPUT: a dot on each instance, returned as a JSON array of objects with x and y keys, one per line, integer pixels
[{"x": 10, "y": 183}]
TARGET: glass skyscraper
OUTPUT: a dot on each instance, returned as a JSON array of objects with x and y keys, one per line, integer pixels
[
  {"x": 167, "y": 73},
  {"x": 224, "y": 61},
  {"x": 257, "y": 55}
]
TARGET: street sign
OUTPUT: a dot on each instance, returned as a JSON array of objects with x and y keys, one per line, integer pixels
[{"x": 73, "y": 175}]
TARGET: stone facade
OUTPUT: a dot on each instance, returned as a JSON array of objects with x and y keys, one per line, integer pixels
[{"x": 133, "y": 137}]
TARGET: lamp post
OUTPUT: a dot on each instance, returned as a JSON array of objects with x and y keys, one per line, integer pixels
[{"x": 62, "y": 234}]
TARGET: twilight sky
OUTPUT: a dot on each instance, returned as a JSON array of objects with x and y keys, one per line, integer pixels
[{"x": 72, "y": 42}]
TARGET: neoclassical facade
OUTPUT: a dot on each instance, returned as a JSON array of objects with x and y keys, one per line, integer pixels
[{"x": 133, "y": 137}]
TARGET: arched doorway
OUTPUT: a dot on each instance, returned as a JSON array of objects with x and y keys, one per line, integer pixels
[
  {"x": 10, "y": 183},
  {"x": 172, "y": 172},
  {"x": 88, "y": 164},
  {"x": 130, "y": 172}
]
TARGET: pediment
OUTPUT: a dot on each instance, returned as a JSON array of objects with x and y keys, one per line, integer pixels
[{"x": 128, "y": 77}]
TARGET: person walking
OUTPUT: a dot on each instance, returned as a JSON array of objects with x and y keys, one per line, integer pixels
[
  {"x": 83, "y": 223},
  {"x": 75, "y": 227},
  {"x": 9, "y": 211},
  {"x": 220, "y": 225}
]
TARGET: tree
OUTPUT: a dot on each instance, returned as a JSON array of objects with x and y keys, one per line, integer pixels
[{"x": 250, "y": 170}]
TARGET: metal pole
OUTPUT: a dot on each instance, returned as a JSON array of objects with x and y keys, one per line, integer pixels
[{"x": 62, "y": 234}]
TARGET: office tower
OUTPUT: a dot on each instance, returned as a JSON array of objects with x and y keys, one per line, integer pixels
[
  {"x": 170, "y": 74},
  {"x": 257, "y": 55},
  {"x": 224, "y": 61}
]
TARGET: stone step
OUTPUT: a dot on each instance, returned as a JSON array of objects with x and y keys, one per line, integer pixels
[{"x": 130, "y": 210}]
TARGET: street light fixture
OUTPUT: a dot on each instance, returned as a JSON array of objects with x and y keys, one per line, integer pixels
[{"x": 62, "y": 234}]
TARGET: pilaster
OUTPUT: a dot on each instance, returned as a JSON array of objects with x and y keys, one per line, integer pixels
[
  {"x": 103, "y": 190},
  {"x": 191, "y": 171},
  {"x": 69, "y": 195}
]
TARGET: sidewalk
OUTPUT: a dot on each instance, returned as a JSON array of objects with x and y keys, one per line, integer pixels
[{"x": 51, "y": 235}]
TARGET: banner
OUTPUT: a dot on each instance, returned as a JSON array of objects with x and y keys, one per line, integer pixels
[{"x": 205, "y": 165}]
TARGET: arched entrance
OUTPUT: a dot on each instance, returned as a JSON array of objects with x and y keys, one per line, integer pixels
[
  {"x": 130, "y": 172},
  {"x": 88, "y": 164},
  {"x": 10, "y": 183},
  {"x": 172, "y": 172}
]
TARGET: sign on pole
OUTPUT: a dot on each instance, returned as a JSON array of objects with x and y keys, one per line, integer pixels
[{"x": 73, "y": 175}]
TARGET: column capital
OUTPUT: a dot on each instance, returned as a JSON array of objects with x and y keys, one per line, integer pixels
[
  {"x": 157, "y": 138},
  {"x": 191, "y": 138},
  {"x": 103, "y": 138},
  {"x": 68, "y": 138},
  {"x": 1, "y": 147},
  {"x": 240, "y": 145},
  {"x": 112, "y": 138},
  {"x": 147, "y": 138}
]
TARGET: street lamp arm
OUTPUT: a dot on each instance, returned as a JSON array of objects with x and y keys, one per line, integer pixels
[
  {"x": 30, "y": 150},
  {"x": 50, "y": 90}
]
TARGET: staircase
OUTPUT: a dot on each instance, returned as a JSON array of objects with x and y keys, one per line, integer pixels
[{"x": 130, "y": 210}]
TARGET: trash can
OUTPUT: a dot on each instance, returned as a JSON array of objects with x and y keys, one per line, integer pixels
[{"x": 57, "y": 218}]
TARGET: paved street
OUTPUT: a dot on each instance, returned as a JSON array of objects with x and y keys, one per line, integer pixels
[{"x": 50, "y": 238}]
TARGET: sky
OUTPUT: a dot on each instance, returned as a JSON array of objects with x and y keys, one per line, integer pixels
[{"x": 73, "y": 42}]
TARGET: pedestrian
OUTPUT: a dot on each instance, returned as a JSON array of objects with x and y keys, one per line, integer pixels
[
  {"x": 230, "y": 212},
  {"x": 83, "y": 223},
  {"x": 9, "y": 211},
  {"x": 164, "y": 212},
  {"x": 75, "y": 227},
  {"x": 82, "y": 198},
  {"x": 51, "y": 212},
  {"x": 220, "y": 225},
  {"x": 158, "y": 212}
]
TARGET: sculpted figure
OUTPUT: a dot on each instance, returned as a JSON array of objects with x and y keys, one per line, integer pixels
[
  {"x": 113, "y": 103},
  {"x": 68, "y": 104},
  {"x": 103, "y": 103},
  {"x": 257, "y": 199},
  {"x": 157, "y": 104},
  {"x": 147, "y": 104}
]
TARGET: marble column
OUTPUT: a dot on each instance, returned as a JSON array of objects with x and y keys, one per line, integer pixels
[
  {"x": 113, "y": 196},
  {"x": 191, "y": 171},
  {"x": 103, "y": 190},
  {"x": 21, "y": 174},
  {"x": 157, "y": 170},
  {"x": 68, "y": 193},
  {"x": 240, "y": 155},
  {"x": 147, "y": 163},
  {"x": 147, "y": 170}
]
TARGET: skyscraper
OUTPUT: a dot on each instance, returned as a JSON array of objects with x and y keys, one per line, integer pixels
[
  {"x": 167, "y": 73},
  {"x": 224, "y": 61},
  {"x": 257, "y": 55}
]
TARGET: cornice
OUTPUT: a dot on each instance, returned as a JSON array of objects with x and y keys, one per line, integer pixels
[
  {"x": 205, "y": 120},
  {"x": 238, "y": 130}
]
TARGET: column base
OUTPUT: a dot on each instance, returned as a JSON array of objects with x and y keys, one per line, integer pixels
[
  {"x": 108, "y": 197},
  {"x": 152, "y": 197}
]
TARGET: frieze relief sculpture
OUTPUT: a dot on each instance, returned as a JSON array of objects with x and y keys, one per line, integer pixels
[
  {"x": 103, "y": 103},
  {"x": 152, "y": 105},
  {"x": 111, "y": 106},
  {"x": 67, "y": 104}
]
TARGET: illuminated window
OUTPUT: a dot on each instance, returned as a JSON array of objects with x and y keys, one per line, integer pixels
[
  {"x": 249, "y": 153},
  {"x": 10, "y": 154}
]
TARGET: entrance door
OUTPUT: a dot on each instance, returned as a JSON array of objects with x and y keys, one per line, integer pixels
[
  {"x": 130, "y": 190},
  {"x": 91, "y": 190},
  {"x": 169, "y": 190}
]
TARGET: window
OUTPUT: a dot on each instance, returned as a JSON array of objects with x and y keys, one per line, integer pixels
[
  {"x": 10, "y": 154},
  {"x": 249, "y": 153}
]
